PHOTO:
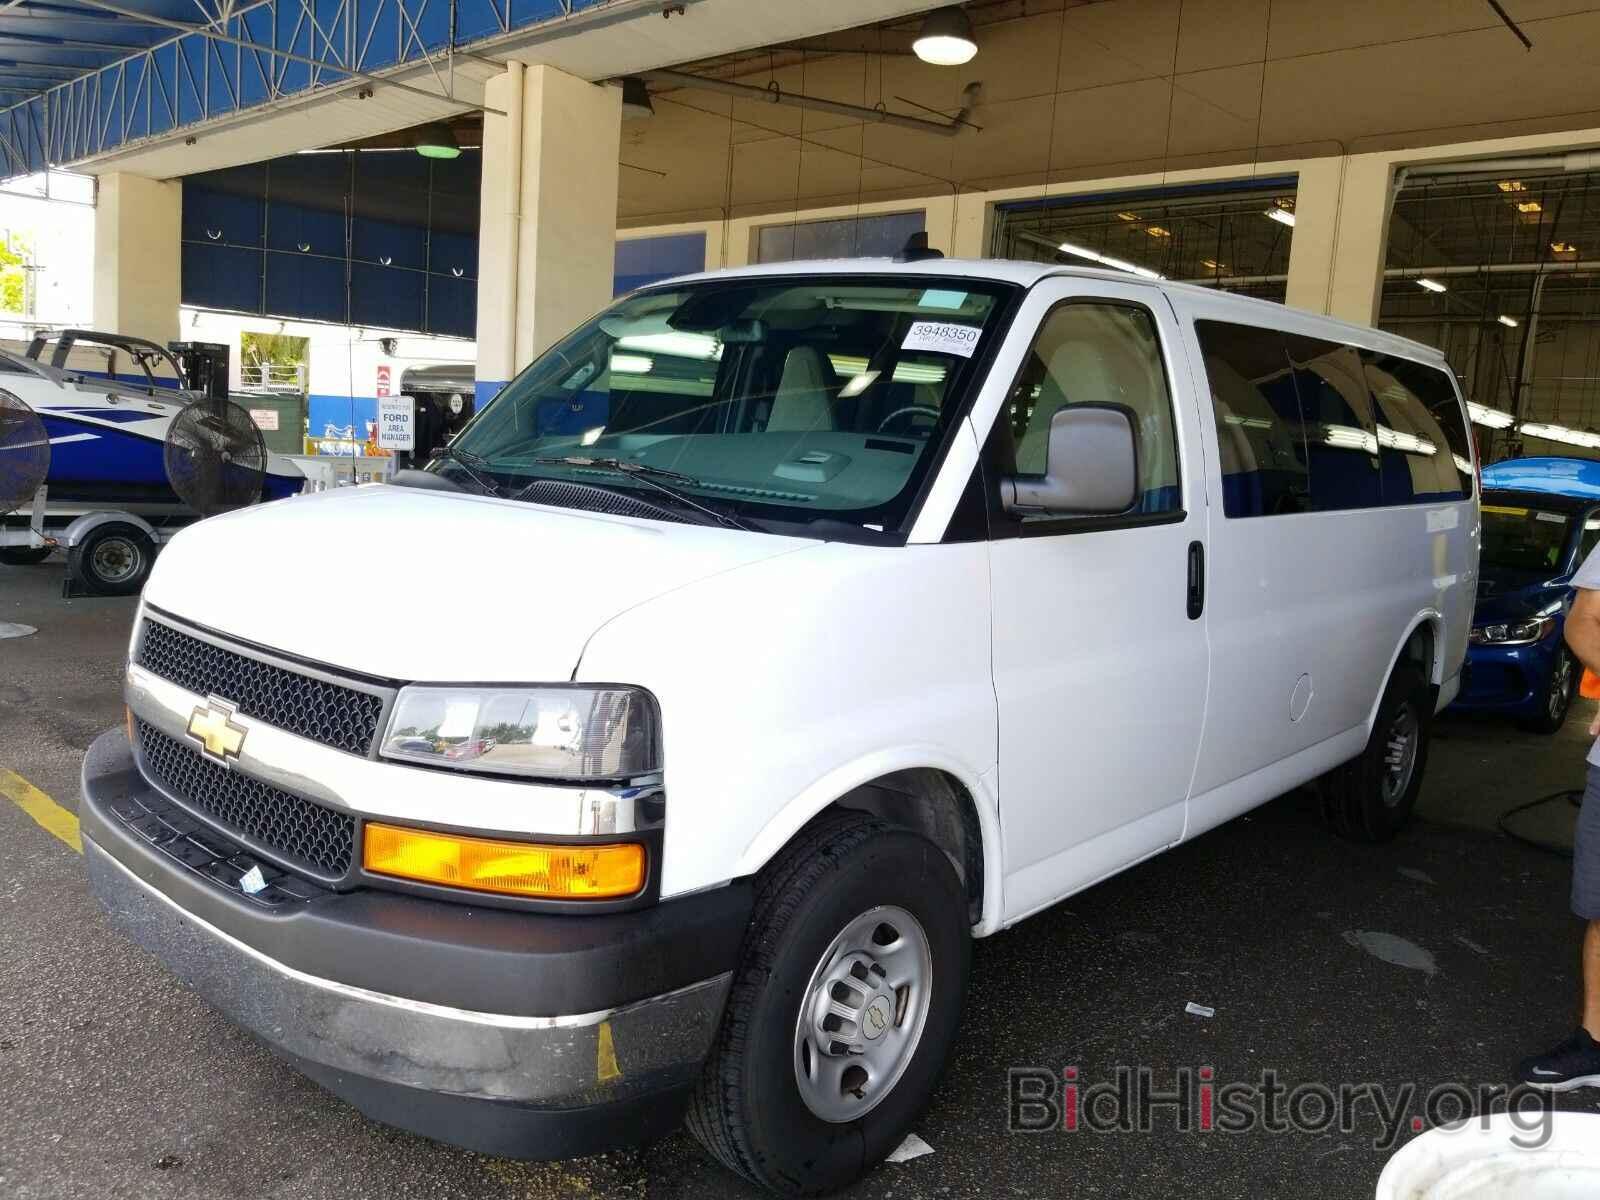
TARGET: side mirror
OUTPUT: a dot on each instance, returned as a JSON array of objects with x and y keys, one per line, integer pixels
[{"x": 1091, "y": 466}]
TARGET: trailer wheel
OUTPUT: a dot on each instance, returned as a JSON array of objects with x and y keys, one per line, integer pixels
[
  {"x": 24, "y": 556},
  {"x": 113, "y": 560}
]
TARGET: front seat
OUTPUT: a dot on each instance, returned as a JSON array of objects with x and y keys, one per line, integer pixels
[{"x": 800, "y": 404}]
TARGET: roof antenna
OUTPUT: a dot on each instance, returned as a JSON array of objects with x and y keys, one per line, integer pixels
[{"x": 917, "y": 249}]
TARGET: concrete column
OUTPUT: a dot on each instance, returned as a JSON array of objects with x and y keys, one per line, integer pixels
[
  {"x": 548, "y": 224},
  {"x": 137, "y": 252},
  {"x": 1341, "y": 234}
]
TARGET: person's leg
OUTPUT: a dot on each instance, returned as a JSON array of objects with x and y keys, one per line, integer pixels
[
  {"x": 1591, "y": 980},
  {"x": 1576, "y": 1061}
]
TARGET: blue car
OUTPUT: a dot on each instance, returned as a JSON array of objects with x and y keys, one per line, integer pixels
[{"x": 1541, "y": 517}]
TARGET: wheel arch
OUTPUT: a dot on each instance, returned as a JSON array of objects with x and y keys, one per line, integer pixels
[
  {"x": 1419, "y": 644},
  {"x": 947, "y": 803}
]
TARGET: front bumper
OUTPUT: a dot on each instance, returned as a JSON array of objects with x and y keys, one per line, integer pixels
[
  {"x": 381, "y": 997},
  {"x": 1508, "y": 679}
]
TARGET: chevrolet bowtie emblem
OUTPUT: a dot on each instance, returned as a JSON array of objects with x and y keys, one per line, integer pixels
[{"x": 211, "y": 724}]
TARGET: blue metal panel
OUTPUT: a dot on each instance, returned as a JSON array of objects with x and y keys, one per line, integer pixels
[{"x": 82, "y": 95}]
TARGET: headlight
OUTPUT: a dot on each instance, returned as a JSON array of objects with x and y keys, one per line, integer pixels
[
  {"x": 1512, "y": 633},
  {"x": 560, "y": 732}
]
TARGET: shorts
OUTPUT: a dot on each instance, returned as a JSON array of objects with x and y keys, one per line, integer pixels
[{"x": 1586, "y": 852}]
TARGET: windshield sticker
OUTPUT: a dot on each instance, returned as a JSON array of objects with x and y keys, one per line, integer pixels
[
  {"x": 941, "y": 298},
  {"x": 1505, "y": 512},
  {"x": 941, "y": 337},
  {"x": 1555, "y": 518}
]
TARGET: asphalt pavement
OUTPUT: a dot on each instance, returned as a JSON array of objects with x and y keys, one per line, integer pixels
[{"x": 1438, "y": 959}]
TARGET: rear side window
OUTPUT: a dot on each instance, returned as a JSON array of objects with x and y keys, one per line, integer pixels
[
  {"x": 1265, "y": 467},
  {"x": 1307, "y": 425},
  {"x": 1422, "y": 432},
  {"x": 1341, "y": 432}
]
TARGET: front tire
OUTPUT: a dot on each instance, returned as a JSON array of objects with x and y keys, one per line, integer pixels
[
  {"x": 843, "y": 1008},
  {"x": 1371, "y": 797},
  {"x": 24, "y": 556},
  {"x": 113, "y": 560},
  {"x": 1559, "y": 690}
]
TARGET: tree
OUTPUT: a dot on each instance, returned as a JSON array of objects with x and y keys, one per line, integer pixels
[{"x": 15, "y": 253}]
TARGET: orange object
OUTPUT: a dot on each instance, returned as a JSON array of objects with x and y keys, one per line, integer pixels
[
  {"x": 580, "y": 871},
  {"x": 1589, "y": 685}
]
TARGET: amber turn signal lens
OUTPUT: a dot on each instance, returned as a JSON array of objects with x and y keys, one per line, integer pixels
[
  {"x": 544, "y": 872},
  {"x": 127, "y": 721}
]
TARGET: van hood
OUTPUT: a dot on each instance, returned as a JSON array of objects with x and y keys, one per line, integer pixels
[{"x": 431, "y": 586}]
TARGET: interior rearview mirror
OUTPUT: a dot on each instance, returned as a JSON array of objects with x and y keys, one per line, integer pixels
[{"x": 1091, "y": 466}]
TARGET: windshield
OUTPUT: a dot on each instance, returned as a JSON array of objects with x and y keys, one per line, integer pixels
[
  {"x": 775, "y": 400},
  {"x": 1530, "y": 540}
]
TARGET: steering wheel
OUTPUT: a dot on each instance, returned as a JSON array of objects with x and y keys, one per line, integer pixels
[{"x": 921, "y": 410}]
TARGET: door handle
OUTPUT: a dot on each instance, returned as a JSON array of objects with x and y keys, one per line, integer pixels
[{"x": 1197, "y": 580}]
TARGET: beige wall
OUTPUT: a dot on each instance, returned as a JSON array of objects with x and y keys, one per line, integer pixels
[{"x": 137, "y": 236}]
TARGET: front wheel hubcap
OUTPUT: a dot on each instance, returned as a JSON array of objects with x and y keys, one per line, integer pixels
[{"x": 862, "y": 1014}]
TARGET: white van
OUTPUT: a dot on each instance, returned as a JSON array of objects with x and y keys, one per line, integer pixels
[{"x": 806, "y": 622}]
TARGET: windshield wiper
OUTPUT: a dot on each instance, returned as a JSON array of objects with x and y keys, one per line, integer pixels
[
  {"x": 652, "y": 476},
  {"x": 469, "y": 463}
]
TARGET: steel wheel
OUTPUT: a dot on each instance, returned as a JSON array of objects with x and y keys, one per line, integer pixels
[
  {"x": 1400, "y": 754},
  {"x": 862, "y": 1014}
]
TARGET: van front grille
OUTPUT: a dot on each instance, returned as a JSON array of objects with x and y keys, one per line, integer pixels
[
  {"x": 342, "y": 717},
  {"x": 294, "y": 830}
]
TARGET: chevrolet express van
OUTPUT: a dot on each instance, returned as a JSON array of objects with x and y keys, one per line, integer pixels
[{"x": 816, "y": 619}]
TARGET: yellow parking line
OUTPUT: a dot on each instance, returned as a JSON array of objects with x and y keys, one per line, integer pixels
[{"x": 49, "y": 815}]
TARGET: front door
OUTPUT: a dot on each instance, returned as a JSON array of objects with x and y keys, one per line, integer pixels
[{"x": 1099, "y": 640}]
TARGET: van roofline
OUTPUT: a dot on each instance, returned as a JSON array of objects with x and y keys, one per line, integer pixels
[{"x": 1029, "y": 274}]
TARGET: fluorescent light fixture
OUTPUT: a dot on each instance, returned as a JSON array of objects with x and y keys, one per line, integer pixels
[
  {"x": 1127, "y": 216},
  {"x": 1462, "y": 464},
  {"x": 1529, "y": 206},
  {"x": 905, "y": 372},
  {"x": 1490, "y": 418},
  {"x": 1563, "y": 248},
  {"x": 1406, "y": 443},
  {"x": 1560, "y": 433},
  {"x": 1158, "y": 231},
  {"x": 1281, "y": 215},
  {"x": 1508, "y": 322},
  {"x": 1512, "y": 185},
  {"x": 674, "y": 344},
  {"x": 1212, "y": 264},
  {"x": 632, "y": 364},
  {"x": 1348, "y": 437},
  {"x": 591, "y": 436},
  {"x": 1105, "y": 260},
  {"x": 1432, "y": 285},
  {"x": 945, "y": 39}
]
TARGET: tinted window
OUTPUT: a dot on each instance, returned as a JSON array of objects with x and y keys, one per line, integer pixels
[
  {"x": 1342, "y": 447},
  {"x": 1101, "y": 354},
  {"x": 1260, "y": 433},
  {"x": 1422, "y": 431}
]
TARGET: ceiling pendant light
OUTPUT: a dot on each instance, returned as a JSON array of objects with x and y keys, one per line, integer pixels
[
  {"x": 436, "y": 141},
  {"x": 945, "y": 39},
  {"x": 636, "y": 104}
]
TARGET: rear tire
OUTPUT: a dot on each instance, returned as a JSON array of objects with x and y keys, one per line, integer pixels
[
  {"x": 1371, "y": 797},
  {"x": 113, "y": 560},
  {"x": 24, "y": 556},
  {"x": 774, "y": 1107},
  {"x": 1556, "y": 701}
]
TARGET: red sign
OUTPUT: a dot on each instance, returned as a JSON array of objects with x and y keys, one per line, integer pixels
[{"x": 383, "y": 379}]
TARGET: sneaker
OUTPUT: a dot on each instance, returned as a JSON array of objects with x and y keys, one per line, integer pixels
[{"x": 1575, "y": 1063}]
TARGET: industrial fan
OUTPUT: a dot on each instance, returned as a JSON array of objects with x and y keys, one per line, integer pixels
[
  {"x": 24, "y": 453},
  {"x": 215, "y": 457}
]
